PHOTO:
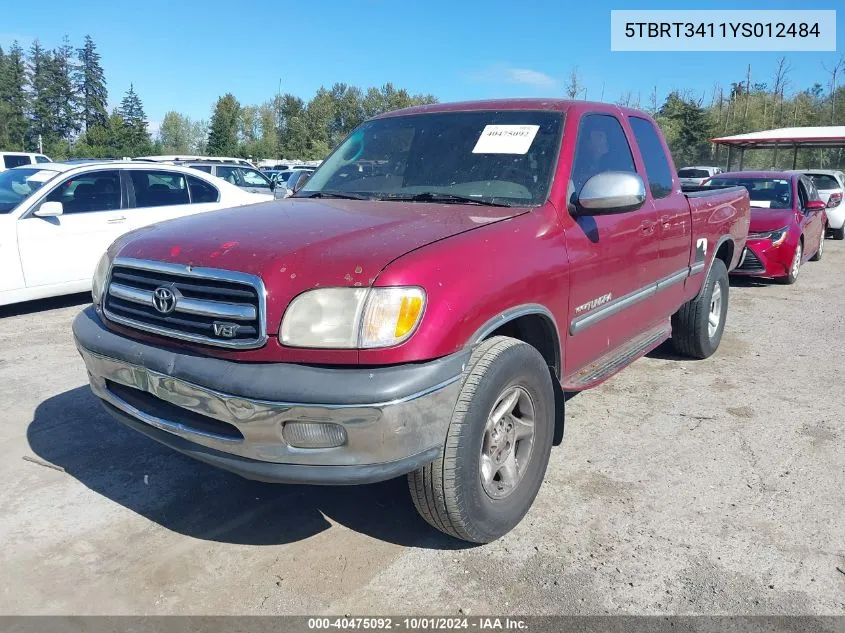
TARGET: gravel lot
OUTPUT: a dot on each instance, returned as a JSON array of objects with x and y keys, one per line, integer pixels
[{"x": 681, "y": 487}]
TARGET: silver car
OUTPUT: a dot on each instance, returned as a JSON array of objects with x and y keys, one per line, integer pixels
[{"x": 696, "y": 175}]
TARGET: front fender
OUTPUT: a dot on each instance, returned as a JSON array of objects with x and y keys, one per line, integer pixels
[{"x": 478, "y": 279}]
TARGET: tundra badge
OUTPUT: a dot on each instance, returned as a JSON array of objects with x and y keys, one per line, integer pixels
[{"x": 595, "y": 303}]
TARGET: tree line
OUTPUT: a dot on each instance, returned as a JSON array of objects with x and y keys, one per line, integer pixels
[
  {"x": 748, "y": 104},
  {"x": 285, "y": 126},
  {"x": 59, "y": 98}
]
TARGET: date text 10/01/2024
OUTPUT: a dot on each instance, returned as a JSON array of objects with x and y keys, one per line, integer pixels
[
  {"x": 418, "y": 623},
  {"x": 722, "y": 29}
]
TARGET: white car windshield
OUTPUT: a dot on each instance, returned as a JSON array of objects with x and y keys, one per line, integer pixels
[{"x": 18, "y": 184}]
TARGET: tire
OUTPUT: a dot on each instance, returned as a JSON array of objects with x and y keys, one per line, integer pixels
[
  {"x": 839, "y": 234},
  {"x": 449, "y": 493},
  {"x": 691, "y": 325},
  {"x": 820, "y": 251},
  {"x": 794, "y": 269}
]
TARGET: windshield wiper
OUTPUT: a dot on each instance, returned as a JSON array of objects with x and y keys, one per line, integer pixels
[
  {"x": 343, "y": 195},
  {"x": 446, "y": 198}
]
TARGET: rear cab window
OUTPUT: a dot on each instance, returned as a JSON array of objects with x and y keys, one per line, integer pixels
[{"x": 654, "y": 156}]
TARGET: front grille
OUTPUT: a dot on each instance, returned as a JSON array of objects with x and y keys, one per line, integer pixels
[
  {"x": 202, "y": 305},
  {"x": 151, "y": 405},
  {"x": 750, "y": 262}
]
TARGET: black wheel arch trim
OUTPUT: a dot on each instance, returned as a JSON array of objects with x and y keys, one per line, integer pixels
[{"x": 512, "y": 314}]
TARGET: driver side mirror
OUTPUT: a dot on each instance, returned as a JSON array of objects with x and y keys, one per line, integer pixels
[
  {"x": 611, "y": 192},
  {"x": 815, "y": 205},
  {"x": 50, "y": 209}
]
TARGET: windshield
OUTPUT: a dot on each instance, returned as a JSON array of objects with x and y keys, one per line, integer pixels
[
  {"x": 824, "y": 182},
  {"x": 506, "y": 157},
  {"x": 693, "y": 173},
  {"x": 769, "y": 193},
  {"x": 17, "y": 184}
]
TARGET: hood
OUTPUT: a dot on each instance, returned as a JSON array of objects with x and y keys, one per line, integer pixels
[
  {"x": 298, "y": 244},
  {"x": 763, "y": 220}
]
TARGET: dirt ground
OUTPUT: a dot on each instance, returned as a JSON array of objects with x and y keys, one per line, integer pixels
[{"x": 682, "y": 487}]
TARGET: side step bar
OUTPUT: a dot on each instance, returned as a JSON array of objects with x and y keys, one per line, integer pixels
[{"x": 618, "y": 358}]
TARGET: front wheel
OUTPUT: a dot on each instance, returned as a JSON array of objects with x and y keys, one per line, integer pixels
[
  {"x": 497, "y": 447},
  {"x": 794, "y": 267},
  {"x": 697, "y": 327},
  {"x": 839, "y": 234}
]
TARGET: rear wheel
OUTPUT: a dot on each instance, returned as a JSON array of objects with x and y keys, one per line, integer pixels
[
  {"x": 697, "y": 327},
  {"x": 795, "y": 267},
  {"x": 497, "y": 448}
]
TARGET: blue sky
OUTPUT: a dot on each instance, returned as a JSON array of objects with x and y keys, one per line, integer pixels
[{"x": 181, "y": 55}]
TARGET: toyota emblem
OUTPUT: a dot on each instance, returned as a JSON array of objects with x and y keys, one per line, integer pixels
[{"x": 165, "y": 299}]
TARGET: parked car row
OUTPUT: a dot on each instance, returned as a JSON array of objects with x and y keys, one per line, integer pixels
[{"x": 56, "y": 219}]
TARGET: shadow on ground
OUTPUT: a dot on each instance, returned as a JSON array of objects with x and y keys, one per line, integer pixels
[
  {"x": 42, "y": 305},
  {"x": 752, "y": 282},
  {"x": 73, "y": 431}
]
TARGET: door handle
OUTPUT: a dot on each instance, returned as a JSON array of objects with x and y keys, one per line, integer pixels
[
  {"x": 664, "y": 220},
  {"x": 647, "y": 227},
  {"x": 116, "y": 220}
]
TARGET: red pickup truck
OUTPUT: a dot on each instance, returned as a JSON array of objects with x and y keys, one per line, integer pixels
[{"x": 419, "y": 305}]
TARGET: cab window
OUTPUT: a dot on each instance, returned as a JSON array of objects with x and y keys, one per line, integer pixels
[
  {"x": 654, "y": 157},
  {"x": 601, "y": 146}
]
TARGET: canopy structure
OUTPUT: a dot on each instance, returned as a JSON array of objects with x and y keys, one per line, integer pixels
[{"x": 794, "y": 138}]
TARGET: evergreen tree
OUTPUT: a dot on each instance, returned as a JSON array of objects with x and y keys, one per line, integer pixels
[
  {"x": 135, "y": 121},
  {"x": 5, "y": 110},
  {"x": 66, "y": 106},
  {"x": 41, "y": 77},
  {"x": 91, "y": 86},
  {"x": 223, "y": 132},
  {"x": 13, "y": 98}
]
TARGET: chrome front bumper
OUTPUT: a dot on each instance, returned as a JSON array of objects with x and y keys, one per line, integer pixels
[{"x": 384, "y": 439}]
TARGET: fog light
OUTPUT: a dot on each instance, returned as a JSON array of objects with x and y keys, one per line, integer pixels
[{"x": 314, "y": 434}]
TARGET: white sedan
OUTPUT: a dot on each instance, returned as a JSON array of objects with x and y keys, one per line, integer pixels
[{"x": 57, "y": 219}]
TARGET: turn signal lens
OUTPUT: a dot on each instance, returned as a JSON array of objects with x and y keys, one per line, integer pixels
[{"x": 391, "y": 316}]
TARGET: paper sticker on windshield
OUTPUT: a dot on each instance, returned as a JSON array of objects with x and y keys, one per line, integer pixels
[
  {"x": 761, "y": 204},
  {"x": 41, "y": 176},
  {"x": 505, "y": 139}
]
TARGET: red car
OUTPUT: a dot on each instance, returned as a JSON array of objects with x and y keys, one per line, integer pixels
[
  {"x": 788, "y": 223},
  {"x": 419, "y": 305}
]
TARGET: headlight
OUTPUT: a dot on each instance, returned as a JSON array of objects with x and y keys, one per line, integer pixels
[
  {"x": 776, "y": 237},
  {"x": 101, "y": 273},
  {"x": 347, "y": 318}
]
